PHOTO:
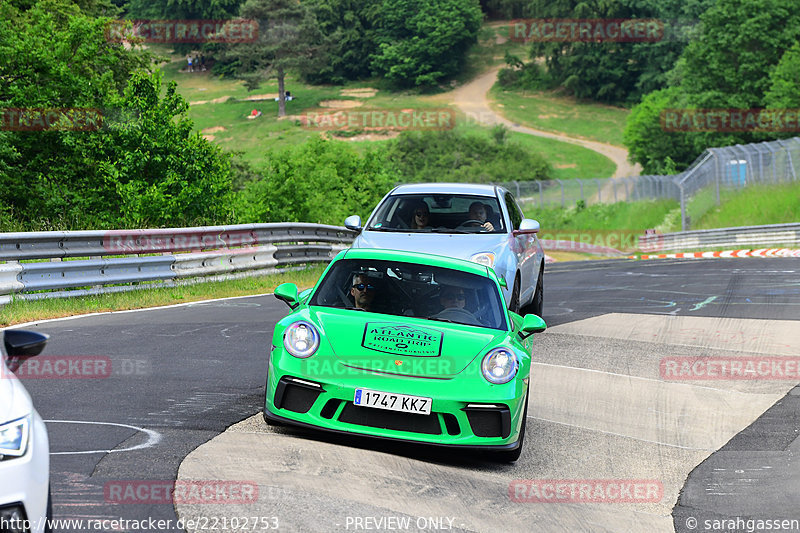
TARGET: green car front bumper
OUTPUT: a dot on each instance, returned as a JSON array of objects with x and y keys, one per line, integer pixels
[{"x": 466, "y": 411}]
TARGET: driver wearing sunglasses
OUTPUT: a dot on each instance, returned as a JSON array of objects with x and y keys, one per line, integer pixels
[
  {"x": 453, "y": 297},
  {"x": 363, "y": 292}
]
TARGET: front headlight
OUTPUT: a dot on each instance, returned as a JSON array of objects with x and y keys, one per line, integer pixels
[
  {"x": 14, "y": 437},
  {"x": 301, "y": 339},
  {"x": 499, "y": 366},
  {"x": 484, "y": 258}
]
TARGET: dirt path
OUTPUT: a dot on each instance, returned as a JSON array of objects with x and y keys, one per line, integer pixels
[{"x": 471, "y": 99}]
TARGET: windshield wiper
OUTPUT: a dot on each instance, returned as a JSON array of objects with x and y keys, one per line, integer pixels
[
  {"x": 373, "y": 228},
  {"x": 448, "y": 230},
  {"x": 443, "y": 320}
]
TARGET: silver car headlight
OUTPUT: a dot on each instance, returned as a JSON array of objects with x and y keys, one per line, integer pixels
[
  {"x": 484, "y": 258},
  {"x": 14, "y": 437},
  {"x": 301, "y": 339},
  {"x": 499, "y": 366}
]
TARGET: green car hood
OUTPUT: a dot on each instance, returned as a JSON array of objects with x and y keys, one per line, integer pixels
[{"x": 403, "y": 345}]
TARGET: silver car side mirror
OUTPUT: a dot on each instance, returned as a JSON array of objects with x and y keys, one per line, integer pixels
[{"x": 353, "y": 222}]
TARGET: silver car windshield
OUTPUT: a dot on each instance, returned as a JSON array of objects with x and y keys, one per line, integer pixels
[
  {"x": 412, "y": 290},
  {"x": 439, "y": 213}
]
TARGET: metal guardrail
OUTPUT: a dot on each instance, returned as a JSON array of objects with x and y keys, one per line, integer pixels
[
  {"x": 91, "y": 262},
  {"x": 737, "y": 237}
]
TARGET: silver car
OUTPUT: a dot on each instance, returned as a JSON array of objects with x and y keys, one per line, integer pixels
[{"x": 482, "y": 223}]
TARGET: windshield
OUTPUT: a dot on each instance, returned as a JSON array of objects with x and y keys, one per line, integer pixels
[
  {"x": 408, "y": 289},
  {"x": 442, "y": 213}
]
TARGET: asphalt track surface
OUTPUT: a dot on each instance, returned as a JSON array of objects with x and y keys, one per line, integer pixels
[{"x": 182, "y": 375}]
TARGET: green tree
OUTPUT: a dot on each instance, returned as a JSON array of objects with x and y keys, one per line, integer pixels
[
  {"x": 144, "y": 166},
  {"x": 784, "y": 82},
  {"x": 741, "y": 42},
  {"x": 646, "y": 139},
  {"x": 289, "y": 38},
  {"x": 452, "y": 156},
  {"x": 421, "y": 42},
  {"x": 503, "y": 9},
  {"x": 319, "y": 181},
  {"x": 183, "y": 9},
  {"x": 163, "y": 172},
  {"x": 732, "y": 63},
  {"x": 615, "y": 71},
  {"x": 348, "y": 24}
]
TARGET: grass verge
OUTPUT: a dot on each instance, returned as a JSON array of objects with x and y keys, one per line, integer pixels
[
  {"x": 623, "y": 216},
  {"x": 756, "y": 205},
  {"x": 560, "y": 114},
  {"x": 20, "y": 311}
]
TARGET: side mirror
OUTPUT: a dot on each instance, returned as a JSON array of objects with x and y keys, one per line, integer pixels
[
  {"x": 22, "y": 345},
  {"x": 503, "y": 282},
  {"x": 532, "y": 324},
  {"x": 353, "y": 222},
  {"x": 527, "y": 225},
  {"x": 288, "y": 293}
]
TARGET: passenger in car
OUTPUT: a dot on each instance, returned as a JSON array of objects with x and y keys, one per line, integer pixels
[{"x": 420, "y": 216}]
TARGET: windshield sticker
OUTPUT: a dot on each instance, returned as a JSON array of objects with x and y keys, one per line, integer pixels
[{"x": 400, "y": 339}]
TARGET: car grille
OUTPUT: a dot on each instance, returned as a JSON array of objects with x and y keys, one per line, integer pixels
[{"x": 380, "y": 418}]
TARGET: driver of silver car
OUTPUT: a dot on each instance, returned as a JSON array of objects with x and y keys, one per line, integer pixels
[{"x": 477, "y": 211}]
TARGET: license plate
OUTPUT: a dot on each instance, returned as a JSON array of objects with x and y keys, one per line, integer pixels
[{"x": 393, "y": 402}]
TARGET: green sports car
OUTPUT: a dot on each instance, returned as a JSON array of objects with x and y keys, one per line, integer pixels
[{"x": 405, "y": 346}]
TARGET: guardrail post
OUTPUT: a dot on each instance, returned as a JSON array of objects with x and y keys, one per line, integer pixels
[
  {"x": 684, "y": 222},
  {"x": 716, "y": 175},
  {"x": 789, "y": 156},
  {"x": 10, "y": 281}
]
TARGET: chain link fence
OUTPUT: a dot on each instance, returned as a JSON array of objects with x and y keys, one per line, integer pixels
[
  {"x": 737, "y": 167},
  {"x": 566, "y": 192},
  {"x": 729, "y": 167}
]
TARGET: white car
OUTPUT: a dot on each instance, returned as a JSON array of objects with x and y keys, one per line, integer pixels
[
  {"x": 24, "y": 447},
  {"x": 482, "y": 223}
]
